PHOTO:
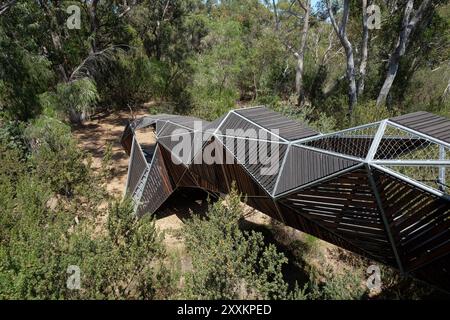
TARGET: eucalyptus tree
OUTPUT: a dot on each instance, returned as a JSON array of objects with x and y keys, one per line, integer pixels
[
  {"x": 300, "y": 12},
  {"x": 341, "y": 31},
  {"x": 412, "y": 19}
]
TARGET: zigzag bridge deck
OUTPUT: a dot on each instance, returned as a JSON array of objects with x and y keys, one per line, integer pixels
[{"x": 379, "y": 190}]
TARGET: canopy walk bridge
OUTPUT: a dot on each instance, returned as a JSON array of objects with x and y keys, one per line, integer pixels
[{"x": 380, "y": 190}]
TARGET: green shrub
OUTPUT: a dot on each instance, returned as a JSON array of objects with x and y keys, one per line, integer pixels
[
  {"x": 56, "y": 158},
  {"x": 344, "y": 287},
  {"x": 365, "y": 113},
  {"x": 126, "y": 262},
  {"x": 12, "y": 138},
  {"x": 229, "y": 263},
  {"x": 42, "y": 232},
  {"x": 76, "y": 99},
  {"x": 41, "y": 244},
  {"x": 132, "y": 79},
  {"x": 24, "y": 75},
  {"x": 307, "y": 115},
  {"x": 210, "y": 104},
  {"x": 216, "y": 71},
  {"x": 30, "y": 264},
  {"x": 348, "y": 285}
]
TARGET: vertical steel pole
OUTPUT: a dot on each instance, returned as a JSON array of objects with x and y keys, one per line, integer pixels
[
  {"x": 442, "y": 169},
  {"x": 384, "y": 218}
]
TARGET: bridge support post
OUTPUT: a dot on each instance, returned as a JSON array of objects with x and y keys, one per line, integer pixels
[{"x": 384, "y": 218}]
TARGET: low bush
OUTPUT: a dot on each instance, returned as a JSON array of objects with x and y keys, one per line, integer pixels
[
  {"x": 229, "y": 263},
  {"x": 52, "y": 208}
]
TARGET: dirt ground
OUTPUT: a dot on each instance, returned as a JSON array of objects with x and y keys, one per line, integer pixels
[{"x": 94, "y": 136}]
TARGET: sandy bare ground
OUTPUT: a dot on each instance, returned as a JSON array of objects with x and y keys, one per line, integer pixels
[{"x": 94, "y": 137}]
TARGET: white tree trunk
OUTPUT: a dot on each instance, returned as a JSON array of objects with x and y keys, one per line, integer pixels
[
  {"x": 341, "y": 32},
  {"x": 77, "y": 117},
  {"x": 364, "y": 49},
  {"x": 408, "y": 25},
  {"x": 352, "y": 94},
  {"x": 5, "y": 6},
  {"x": 301, "y": 54}
]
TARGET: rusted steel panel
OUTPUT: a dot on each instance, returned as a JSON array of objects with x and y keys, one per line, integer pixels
[
  {"x": 177, "y": 170},
  {"x": 158, "y": 187},
  {"x": 265, "y": 205},
  {"x": 420, "y": 221},
  {"x": 127, "y": 138},
  {"x": 261, "y": 159},
  {"x": 237, "y": 126},
  {"x": 214, "y": 173},
  {"x": 137, "y": 167},
  {"x": 297, "y": 221}
]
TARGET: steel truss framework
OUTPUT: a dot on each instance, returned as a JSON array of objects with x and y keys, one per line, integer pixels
[{"x": 379, "y": 190}]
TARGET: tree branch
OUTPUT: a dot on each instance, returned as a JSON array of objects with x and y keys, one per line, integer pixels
[
  {"x": 332, "y": 18},
  {"x": 4, "y": 7},
  {"x": 409, "y": 23},
  {"x": 302, "y": 5},
  {"x": 275, "y": 11}
]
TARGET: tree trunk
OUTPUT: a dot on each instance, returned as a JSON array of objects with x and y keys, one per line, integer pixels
[
  {"x": 56, "y": 38},
  {"x": 408, "y": 26},
  {"x": 352, "y": 94},
  {"x": 93, "y": 18},
  {"x": 299, "y": 80},
  {"x": 389, "y": 80},
  {"x": 364, "y": 50},
  {"x": 342, "y": 34},
  {"x": 5, "y": 6},
  {"x": 275, "y": 12},
  {"x": 157, "y": 29},
  {"x": 76, "y": 117},
  {"x": 301, "y": 56}
]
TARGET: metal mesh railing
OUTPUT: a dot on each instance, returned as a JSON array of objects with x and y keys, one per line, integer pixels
[
  {"x": 436, "y": 177},
  {"x": 398, "y": 144},
  {"x": 354, "y": 143}
]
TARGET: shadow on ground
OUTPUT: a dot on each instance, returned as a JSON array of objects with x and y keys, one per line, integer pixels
[
  {"x": 187, "y": 201},
  {"x": 183, "y": 202}
]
